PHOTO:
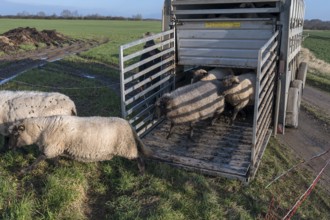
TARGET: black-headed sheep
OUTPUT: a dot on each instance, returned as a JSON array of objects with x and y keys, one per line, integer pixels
[
  {"x": 192, "y": 103},
  {"x": 241, "y": 92},
  {"x": 86, "y": 139},
  {"x": 15, "y": 105}
]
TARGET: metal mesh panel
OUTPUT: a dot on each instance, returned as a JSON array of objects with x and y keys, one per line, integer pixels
[
  {"x": 147, "y": 71},
  {"x": 265, "y": 93}
]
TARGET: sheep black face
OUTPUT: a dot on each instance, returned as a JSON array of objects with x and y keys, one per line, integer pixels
[
  {"x": 18, "y": 136},
  {"x": 161, "y": 106},
  {"x": 198, "y": 75},
  {"x": 230, "y": 81}
]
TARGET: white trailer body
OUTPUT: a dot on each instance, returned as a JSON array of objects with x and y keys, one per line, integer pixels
[{"x": 263, "y": 36}]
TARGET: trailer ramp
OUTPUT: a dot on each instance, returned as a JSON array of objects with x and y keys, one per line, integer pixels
[
  {"x": 221, "y": 149},
  {"x": 233, "y": 151}
]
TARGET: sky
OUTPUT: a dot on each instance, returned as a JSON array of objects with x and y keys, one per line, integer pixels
[{"x": 315, "y": 9}]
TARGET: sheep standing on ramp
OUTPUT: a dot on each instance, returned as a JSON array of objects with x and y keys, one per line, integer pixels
[
  {"x": 16, "y": 105},
  {"x": 86, "y": 139},
  {"x": 241, "y": 93},
  {"x": 192, "y": 103}
]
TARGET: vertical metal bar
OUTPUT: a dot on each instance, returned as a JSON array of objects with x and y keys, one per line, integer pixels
[
  {"x": 122, "y": 82},
  {"x": 277, "y": 106},
  {"x": 256, "y": 104},
  {"x": 175, "y": 56}
]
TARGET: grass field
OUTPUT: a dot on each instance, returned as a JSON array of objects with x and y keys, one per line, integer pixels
[
  {"x": 318, "y": 42},
  {"x": 114, "y": 189},
  {"x": 118, "y": 32}
]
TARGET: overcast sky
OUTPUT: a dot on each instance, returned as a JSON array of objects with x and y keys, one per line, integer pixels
[{"x": 319, "y": 9}]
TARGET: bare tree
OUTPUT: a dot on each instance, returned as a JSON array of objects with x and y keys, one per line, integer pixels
[
  {"x": 41, "y": 14},
  {"x": 137, "y": 17},
  {"x": 66, "y": 13}
]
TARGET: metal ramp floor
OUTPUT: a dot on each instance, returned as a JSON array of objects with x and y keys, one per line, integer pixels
[{"x": 221, "y": 149}]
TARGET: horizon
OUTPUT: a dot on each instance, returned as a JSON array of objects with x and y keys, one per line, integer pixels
[{"x": 148, "y": 9}]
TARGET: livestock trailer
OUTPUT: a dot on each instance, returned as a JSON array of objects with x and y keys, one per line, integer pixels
[{"x": 263, "y": 36}]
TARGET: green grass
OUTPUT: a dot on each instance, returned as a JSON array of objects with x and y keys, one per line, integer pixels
[
  {"x": 318, "y": 80},
  {"x": 318, "y": 42},
  {"x": 118, "y": 32},
  {"x": 114, "y": 189}
]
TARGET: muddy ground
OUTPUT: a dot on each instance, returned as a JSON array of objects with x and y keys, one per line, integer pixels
[
  {"x": 312, "y": 136},
  {"x": 57, "y": 47}
]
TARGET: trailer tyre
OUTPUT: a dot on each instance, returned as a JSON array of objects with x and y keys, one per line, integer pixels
[
  {"x": 302, "y": 73},
  {"x": 292, "y": 111},
  {"x": 299, "y": 85}
]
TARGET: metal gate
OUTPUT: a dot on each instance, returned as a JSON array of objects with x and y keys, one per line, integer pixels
[
  {"x": 264, "y": 97},
  {"x": 147, "y": 71}
]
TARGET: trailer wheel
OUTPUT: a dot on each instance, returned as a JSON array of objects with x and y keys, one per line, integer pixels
[
  {"x": 299, "y": 85},
  {"x": 292, "y": 111},
  {"x": 302, "y": 72}
]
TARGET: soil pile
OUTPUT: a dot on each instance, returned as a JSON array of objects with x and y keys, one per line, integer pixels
[{"x": 11, "y": 40}]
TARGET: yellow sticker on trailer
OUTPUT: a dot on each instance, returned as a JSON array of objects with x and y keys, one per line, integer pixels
[{"x": 222, "y": 24}]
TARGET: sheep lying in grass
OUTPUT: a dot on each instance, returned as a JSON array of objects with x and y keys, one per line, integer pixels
[
  {"x": 192, "y": 103},
  {"x": 15, "y": 105},
  {"x": 85, "y": 139},
  {"x": 214, "y": 74},
  {"x": 241, "y": 93}
]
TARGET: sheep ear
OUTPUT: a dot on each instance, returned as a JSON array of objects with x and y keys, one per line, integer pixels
[{"x": 21, "y": 128}]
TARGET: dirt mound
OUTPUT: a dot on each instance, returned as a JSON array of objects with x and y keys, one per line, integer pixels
[
  {"x": 6, "y": 44},
  {"x": 11, "y": 40}
]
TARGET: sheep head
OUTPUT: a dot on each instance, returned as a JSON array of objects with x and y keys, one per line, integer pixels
[
  {"x": 162, "y": 104},
  {"x": 229, "y": 81},
  {"x": 19, "y": 136},
  {"x": 199, "y": 74}
]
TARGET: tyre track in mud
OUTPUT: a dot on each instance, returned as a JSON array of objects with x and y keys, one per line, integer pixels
[{"x": 11, "y": 66}]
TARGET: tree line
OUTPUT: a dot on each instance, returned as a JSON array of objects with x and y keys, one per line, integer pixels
[
  {"x": 74, "y": 15},
  {"x": 316, "y": 24}
]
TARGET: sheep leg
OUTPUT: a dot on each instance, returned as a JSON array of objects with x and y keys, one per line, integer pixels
[
  {"x": 141, "y": 165},
  {"x": 170, "y": 132},
  {"x": 34, "y": 164},
  {"x": 238, "y": 108},
  {"x": 191, "y": 129},
  {"x": 5, "y": 146},
  {"x": 215, "y": 118}
]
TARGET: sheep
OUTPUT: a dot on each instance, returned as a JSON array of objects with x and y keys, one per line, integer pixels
[
  {"x": 85, "y": 139},
  {"x": 192, "y": 103},
  {"x": 241, "y": 93},
  {"x": 15, "y": 105},
  {"x": 217, "y": 73}
]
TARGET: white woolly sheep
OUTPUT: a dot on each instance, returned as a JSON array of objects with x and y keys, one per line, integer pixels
[
  {"x": 85, "y": 139},
  {"x": 15, "y": 105},
  {"x": 241, "y": 93},
  {"x": 192, "y": 103}
]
